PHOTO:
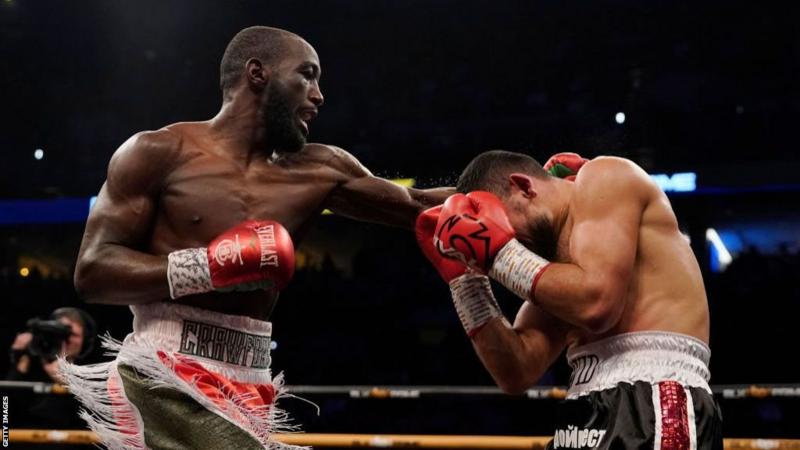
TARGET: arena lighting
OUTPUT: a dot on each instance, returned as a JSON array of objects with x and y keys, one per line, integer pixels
[
  {"x": 405, "y": 182},
  {"x": 677, "y": 182},
  {"x": 723, "y": 256},
  {"x": 620, "y": 118}
]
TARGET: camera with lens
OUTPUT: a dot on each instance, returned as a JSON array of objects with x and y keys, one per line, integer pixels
[{"x": 48, "y": 338}]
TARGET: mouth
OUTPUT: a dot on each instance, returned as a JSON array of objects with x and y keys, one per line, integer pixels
[{"x": 304, "y": 116}]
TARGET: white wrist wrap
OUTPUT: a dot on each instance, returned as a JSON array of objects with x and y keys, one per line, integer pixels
[
  {"x": 474, "y": 301},
  {"x": 518, "y": 268},
  {"x": 187, "y": 272}
]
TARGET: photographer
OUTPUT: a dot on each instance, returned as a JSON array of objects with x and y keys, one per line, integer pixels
[{"x": 68, "y": 332}]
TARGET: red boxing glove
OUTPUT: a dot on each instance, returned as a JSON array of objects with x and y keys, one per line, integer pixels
[
  {"x": 471, "y": 292},
  {"x": 473, "y": 228},
  {"x": 565, "y": 165},
  {"x": 426, "y": 225},
  {"x": 252, "y": 255},
  {"x": 252, "y": 252}
]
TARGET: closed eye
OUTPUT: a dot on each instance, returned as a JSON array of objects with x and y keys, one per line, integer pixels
[{"x": 310, "y": 72}]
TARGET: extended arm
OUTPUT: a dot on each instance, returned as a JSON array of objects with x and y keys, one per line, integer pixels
[{"x": 363, "y": 196}]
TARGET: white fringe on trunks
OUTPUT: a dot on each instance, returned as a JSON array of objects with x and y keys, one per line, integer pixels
[{"x": 167, "y": 327}]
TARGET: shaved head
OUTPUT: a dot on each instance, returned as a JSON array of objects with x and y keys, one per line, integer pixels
[{"x": 269, "y": 45}]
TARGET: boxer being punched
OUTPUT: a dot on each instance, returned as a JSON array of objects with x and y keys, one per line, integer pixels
[
  {"x": 194, "y": 229},
  {"x": 605, "y": 273}
]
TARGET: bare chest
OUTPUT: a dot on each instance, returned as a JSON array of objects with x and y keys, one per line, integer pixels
[{"x": 208, "y": 195}]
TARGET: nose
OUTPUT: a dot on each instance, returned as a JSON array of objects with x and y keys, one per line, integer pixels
[{"x": 315, "y": 95}]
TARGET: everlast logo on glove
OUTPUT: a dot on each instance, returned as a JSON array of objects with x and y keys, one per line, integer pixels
[
  {"x": 249, "y": 256},
  {"x": 266, "y": 236},
  {"x": 229, "y": 249}
]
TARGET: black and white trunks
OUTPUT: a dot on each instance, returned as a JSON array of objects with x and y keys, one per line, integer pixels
[{"x": 643, "y": 390}]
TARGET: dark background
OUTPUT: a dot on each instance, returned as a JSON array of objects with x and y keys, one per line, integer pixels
[{"x": 416, "y": 89}]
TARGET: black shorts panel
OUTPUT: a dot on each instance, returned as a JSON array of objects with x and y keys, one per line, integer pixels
[{"x": 624, "y": 418}]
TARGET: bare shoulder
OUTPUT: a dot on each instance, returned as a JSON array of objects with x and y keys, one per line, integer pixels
[
  {"x": 612, "y": 166},
  {"x": 151, "y": 145},
  {"x": 335, "y": 158},
  {"x": 144, "y": 159},
  {"x": 611, "y": 174}
]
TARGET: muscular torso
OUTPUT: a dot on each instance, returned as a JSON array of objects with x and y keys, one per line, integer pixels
[
  {"x": 208, "y": 191},
  {"x": 666, "y": 292}
]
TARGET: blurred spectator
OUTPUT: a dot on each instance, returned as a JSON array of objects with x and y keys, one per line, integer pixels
[{"x": 69, "y": 333}]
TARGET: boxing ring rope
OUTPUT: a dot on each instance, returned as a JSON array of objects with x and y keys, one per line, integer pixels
[
  {"x": 728, "y": 391},
  {"x": 341, "y": 440},
  {"x": 387, "y": 440},
  {"x": 37, "y": 387}
]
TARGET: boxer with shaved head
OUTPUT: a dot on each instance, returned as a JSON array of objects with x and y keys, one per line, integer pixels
[{"x": 194, "y": 229}]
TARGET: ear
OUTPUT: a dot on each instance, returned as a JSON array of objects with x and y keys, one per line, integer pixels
[
  {"x": 522, "y": 182},
  {"x": 257, "y": 73}
]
